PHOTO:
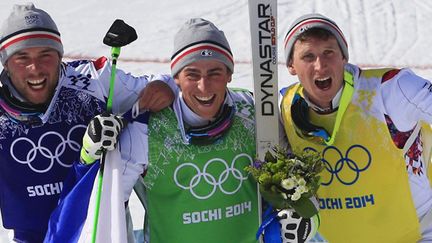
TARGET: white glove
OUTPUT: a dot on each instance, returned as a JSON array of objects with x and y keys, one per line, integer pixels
[
  {"x": 295, "y": 229},
  {"x": 101, "y": 134}
]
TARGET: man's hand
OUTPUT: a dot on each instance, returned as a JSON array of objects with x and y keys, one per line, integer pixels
[
  {"x": 101, "y": 134},
  {"x": 155, "y": 96},
  {"x": 295, "y": 229}
]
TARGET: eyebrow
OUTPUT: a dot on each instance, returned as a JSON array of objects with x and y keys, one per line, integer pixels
[
  {"x": 191, "y": 69},
  {"x": 197, "y": 70},
  {"x": 24, "y": 52},
  {"x": 215, "y": 69}
]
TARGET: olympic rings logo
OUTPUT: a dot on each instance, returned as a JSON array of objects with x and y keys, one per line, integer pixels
[
  {"x": 44, "y": 151},
  {"x": 346, "y": 169},
  {"x": 188, "y": 176}
]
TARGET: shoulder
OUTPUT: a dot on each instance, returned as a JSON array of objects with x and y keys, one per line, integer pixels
[
  {"x": 388, "y": 77},
  {"x": 97, "y": 64},
  {"x": 240, "y": 94},
  {"x": 239, "y": 90},
  {"x": 380, "y": 75},
  {"x": 89, "y": 68},
  {"x": 244, "y": 103},
  {"x": 283, "y": 91},
  {"x": 85, "y": 75}
]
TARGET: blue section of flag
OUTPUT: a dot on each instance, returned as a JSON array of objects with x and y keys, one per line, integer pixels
[
  {"x": 270, "y": 226},
  {"x": 68, "y": 218}
]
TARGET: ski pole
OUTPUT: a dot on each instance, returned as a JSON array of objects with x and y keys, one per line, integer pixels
[{"x": 118, "y": 35}]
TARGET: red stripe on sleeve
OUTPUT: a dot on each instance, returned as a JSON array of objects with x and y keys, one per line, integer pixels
[{"x": 389, "y": 74}]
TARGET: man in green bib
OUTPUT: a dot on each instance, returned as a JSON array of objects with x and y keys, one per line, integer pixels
[{"x": 195, "y": 188}]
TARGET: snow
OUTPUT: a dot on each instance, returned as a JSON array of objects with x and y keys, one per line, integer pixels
[{"x": 380, "y": 33}]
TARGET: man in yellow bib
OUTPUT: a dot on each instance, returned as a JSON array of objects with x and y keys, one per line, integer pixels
[{"x": 372, "y": 129}]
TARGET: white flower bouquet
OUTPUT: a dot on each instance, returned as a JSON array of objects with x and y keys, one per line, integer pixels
[{"x": 289, "y": 181}]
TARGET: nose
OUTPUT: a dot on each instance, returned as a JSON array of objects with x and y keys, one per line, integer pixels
[
  {"x": 33, "y": 66},
  {"x": 204, "y": 83},
  {"x": 319, "y": 63}
]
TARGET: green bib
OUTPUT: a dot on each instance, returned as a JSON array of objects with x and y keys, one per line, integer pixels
[{"x": 200, "y": 193}]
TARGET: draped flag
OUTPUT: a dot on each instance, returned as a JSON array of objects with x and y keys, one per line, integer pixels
[{"x": 72, "y": 221}]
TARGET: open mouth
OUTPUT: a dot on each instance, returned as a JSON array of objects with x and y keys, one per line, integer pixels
[
  {"x": 324, "y": 83},
  {"x": 36, "y": 84},
  {"x": 205, "y": 100}
]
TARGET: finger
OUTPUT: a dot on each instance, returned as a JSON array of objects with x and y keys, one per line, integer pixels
[
  {"x": 159, "y": 104},
  {"x": 156, "y": 103},
  {"x": 151, "y": 96},
  {"x": 144, "y": 97},
  {"x": 121, "y": 121},
  {"x": 105, "y": 114},
  {"x": 159, "y": 101},
  {"x": 145, "y": 100}
]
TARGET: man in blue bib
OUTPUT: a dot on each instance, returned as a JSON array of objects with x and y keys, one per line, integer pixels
[{"x": 45, "y": 106}]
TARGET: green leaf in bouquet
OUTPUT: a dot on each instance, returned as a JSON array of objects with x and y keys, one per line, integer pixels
[
  {"x": 274, "y": 168},
  {"x": 269, "y": 157},
  {"x": 273, "y": 197},
  {"x": 278, "y": 177},
  {"x": 315, "y": 184},
  {"x": 304, "y": 207},
  {"x": 265, "y": 179}
]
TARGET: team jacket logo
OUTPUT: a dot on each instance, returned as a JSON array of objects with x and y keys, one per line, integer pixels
[
  {"x": 216, "y": 174},
  {"x": 347, "y": 169},
  {"x": 52, "y": 154}
]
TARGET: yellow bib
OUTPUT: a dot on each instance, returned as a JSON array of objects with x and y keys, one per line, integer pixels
[
  {"x": 427, "y": 145},
  {"x": 365, "y": 194}
]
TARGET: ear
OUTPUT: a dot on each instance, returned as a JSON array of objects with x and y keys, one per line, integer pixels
[
  {"x": 176, "y": 79},
  {"x": 291, "y": 68},
  {"x": 345, "y": 60},
  {"x": 230, "y": 78}
]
